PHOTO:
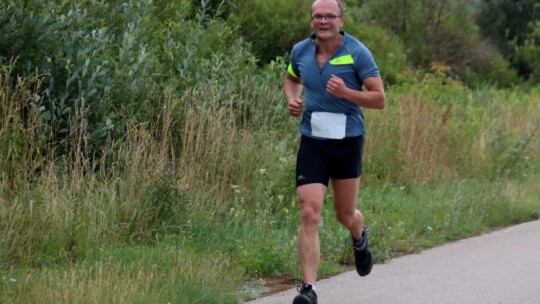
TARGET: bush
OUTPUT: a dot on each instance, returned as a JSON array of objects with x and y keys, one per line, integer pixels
[
  {"x": 107, "y": 64},
  {"x": 389, "y": 51},
  {"x": 441, "y": 31},
  {"x": 272, "y": 27}
]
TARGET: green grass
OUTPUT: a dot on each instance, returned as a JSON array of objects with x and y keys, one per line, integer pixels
[
  {"x": 130, "y": 274},
  {"x": 199, "y": 205},
  {"x": 211, "y": 261},
  {"x": 403, "y": 220}
]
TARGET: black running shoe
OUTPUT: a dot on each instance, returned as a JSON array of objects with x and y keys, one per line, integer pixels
[
  {"x": 362, "y": 255},
  {"x": 307, "y": 295}
]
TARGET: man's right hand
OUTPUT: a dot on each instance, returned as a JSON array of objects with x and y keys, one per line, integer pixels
[{"x": 296, "y": 106}]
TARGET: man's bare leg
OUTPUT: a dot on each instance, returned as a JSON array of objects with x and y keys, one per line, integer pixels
[
  {"x": 345, "y": 196},
  {"x": 311, "y": 198}
]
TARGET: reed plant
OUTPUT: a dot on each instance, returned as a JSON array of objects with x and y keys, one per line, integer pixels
[
  {"x": 146, "y": 155},
  {"x": 437, "y": 130},
  {"x": 205, "y": 189}
]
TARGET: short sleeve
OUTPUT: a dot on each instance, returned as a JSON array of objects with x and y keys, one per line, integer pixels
[
  {"x": 292, "y": 69},
  {"x": 365, "y": 65}
]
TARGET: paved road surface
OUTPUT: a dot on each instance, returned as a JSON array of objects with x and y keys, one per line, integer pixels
[{"x": 500, "y": 267}]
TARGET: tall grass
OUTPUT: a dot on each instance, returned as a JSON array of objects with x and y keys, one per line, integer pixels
[
  {"x": 437, "y": 131},
  {"x": 65, "y": 209},
  {"x": 21, "y": 140},
  {"x": 204, "y": 191},
  {"x": 164, "y": 274},
  {"x": 145, "y": 166}
]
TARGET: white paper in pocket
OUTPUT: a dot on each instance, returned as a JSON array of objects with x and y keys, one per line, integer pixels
[{"x": 328, "y": 125}]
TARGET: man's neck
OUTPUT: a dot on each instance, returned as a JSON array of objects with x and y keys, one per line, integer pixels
[{"x": 328, "y": 47}]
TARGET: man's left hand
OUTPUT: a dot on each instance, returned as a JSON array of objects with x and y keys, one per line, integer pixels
[{"x": 336, "y": 87}]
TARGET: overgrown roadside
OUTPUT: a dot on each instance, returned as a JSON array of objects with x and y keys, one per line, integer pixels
[{"x": 146, "y": 154}]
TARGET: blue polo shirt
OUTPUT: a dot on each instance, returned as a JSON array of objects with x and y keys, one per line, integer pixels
[{"x": 352, "y": 62}]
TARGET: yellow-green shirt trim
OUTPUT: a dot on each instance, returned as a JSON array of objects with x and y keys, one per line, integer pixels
[
  {"x": 291, "y": 71},
  {"x": 342, "y": 60}
]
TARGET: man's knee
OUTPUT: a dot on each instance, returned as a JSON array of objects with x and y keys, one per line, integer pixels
[
  {"x": 310, "y": 215},
  {"x": 346, "y": 218},
  {"x": 311, "y": 200}
]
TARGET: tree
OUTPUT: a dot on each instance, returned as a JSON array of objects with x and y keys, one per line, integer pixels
[
  {"x": 509, "y": 24},
  {"x": 272, "y": 27},
  {"x": 439, "y": 31},
  {"x": 528, "y": 54}
]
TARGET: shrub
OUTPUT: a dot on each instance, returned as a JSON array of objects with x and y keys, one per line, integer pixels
[
  {"x": 107, "y": 64},
  {"x": 439, "y": 31},
  {"x": 272, "y": 27}
]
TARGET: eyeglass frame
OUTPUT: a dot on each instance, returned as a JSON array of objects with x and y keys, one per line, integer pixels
[{"x": 320, "y": 18}]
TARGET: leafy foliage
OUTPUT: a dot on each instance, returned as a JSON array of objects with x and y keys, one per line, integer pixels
[
  {"x": 389, "y": 51},
  {"x": 145, "y": 149},
  {"x": 272, "y": 27},
  {"x": 527, "y": 55},
  {"x": 109, "y": 62},
  {"x": 512, "y": 27},
  {"x": 439, "y": 31}
]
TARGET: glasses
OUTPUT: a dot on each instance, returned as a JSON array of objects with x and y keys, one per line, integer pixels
[{"x": 319, "y": 18}]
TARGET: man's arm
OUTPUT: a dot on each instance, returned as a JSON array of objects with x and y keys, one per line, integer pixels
[
  {"x": 293, "y": 90},
  {"x": 372, "y": 98}
]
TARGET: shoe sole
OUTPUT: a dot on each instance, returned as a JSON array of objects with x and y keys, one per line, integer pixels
[
  {"x": 300, "y": 299},
  {"x": 363, "y": 274}
]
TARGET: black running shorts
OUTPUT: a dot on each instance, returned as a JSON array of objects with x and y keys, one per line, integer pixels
[{"x": 319, "y": 160}]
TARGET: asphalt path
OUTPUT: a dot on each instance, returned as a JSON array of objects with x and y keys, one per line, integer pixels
[{"x": 500, "y": 267}]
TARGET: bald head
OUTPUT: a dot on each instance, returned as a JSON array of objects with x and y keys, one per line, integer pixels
[{"x": 340, "y": 7}]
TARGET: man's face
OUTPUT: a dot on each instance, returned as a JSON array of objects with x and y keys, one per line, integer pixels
[{"x": 326, "y": 19}]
